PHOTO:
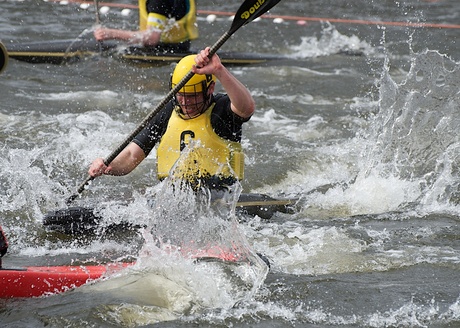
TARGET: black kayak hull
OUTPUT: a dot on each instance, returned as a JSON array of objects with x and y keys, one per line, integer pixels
[
  {"x": 81, "y": 220},
  {"x": 67, "y": 51}
]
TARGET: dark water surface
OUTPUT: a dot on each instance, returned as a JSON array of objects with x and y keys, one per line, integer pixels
[{"x": 361, "y": 124}]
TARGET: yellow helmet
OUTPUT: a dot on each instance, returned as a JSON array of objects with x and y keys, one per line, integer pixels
[{"x": 198, "y": 82}]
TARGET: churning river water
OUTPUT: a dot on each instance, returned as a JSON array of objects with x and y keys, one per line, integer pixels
[{"x": 360, "y": 124}]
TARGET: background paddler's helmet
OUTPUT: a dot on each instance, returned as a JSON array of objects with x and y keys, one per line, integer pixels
[{"x": 199, "y": 83}]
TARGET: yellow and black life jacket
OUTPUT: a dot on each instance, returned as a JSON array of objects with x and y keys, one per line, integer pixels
[{"x": 204, "y": 153}]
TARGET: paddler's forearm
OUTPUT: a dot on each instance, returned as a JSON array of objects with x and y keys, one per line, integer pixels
[
  {"x": 146, "y": 38},
  {"x": 126, "y": 161},
  {"x": 123, "y": 164},
  {"x": 242, "y": 102}
]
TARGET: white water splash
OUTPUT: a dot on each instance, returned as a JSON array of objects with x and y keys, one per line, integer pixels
[{"x": 329, "y": 43}]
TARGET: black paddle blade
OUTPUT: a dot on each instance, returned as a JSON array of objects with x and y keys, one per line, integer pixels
[
  {"x": 250, "y": 10},
  {"x": 72, "y": 220},
  {"x": 3, "y": 57},
  {"x": 78, "y": 220}
]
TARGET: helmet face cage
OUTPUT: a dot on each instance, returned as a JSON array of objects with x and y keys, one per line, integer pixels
[{"x": 193, "y": 91}]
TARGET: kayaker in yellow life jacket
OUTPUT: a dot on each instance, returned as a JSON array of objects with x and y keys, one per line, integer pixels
[
  {"x": 207, "y": 126},
  {"x": 166, "y": 24}
]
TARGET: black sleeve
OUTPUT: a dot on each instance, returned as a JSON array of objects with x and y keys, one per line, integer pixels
[
  {"x": 154, "y": 130},
  {"x": 224, "y": 121}
]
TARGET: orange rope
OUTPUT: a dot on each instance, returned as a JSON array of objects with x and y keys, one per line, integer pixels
[{"x": 296, "y": 18}]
